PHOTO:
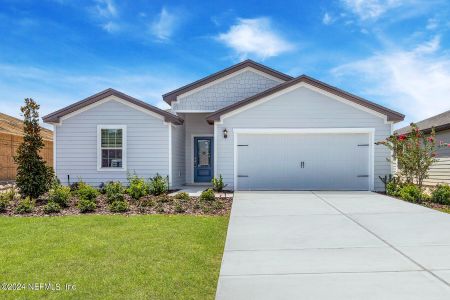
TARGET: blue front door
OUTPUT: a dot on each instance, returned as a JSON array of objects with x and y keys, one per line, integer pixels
[{"x": 203, "y": 159}]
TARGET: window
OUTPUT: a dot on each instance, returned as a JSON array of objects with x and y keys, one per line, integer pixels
[{"x": 111, "y": 141}]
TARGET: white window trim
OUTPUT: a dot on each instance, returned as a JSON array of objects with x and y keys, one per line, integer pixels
[
  {"x": 369, "y": 131},
  {"x": 99, "y": 148}
]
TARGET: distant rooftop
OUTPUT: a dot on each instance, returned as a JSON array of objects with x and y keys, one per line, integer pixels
[
  {"x": 439, "y": 122},
  {"x": 11, "y": 125}
]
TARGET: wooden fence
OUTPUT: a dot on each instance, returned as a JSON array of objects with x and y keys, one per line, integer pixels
[{"x": 8, "y": 147}]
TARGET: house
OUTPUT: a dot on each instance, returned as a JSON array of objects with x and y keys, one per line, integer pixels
[
  {"x": 11, "y": 136},
  {"x": 439, "y": 171},
  {"x": 257, "y": 127}
]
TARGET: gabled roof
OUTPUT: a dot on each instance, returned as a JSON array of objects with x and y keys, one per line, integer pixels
[
  {"x": 55, "y": 116},
  {"x": 439, "y": 122},
  {"x": 14, "y": 126},
  {"x": 172, "y": 96},
  {"x": 391, "y": 115}
]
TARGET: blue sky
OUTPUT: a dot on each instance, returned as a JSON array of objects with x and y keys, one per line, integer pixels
[{"x": 393, "y": 52}]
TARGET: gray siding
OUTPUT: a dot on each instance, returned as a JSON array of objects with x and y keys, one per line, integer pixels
[
  {"x": 440, "y": 171},
  {"x": 225, "y": 92},
  {"x": 301, "y": 108},
  {"x": 76, "y": 144},
  {"x": 195, "y": 125},
  {"x": 178, "y": 156}
]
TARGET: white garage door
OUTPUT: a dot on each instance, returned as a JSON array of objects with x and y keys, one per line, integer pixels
[{"x": 319, "y": 161}]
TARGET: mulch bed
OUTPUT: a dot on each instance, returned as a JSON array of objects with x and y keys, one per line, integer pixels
[
  {"x": 162, "y": 204},
  {"x": 429, "y": 204}
]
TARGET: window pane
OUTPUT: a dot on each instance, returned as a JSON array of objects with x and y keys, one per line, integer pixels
[
  {"x": 203, "y": 152},
  {"x": 111, "y": 138},
  {"x": 111, "y": 158}
]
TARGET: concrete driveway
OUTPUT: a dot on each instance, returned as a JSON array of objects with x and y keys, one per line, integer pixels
[{"x": 334, "y": 245}]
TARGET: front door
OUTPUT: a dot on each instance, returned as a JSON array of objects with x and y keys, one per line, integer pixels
[{"x": 203, "y": 159}]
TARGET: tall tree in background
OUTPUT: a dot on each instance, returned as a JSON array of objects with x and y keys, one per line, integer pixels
[{"x": 33, "y": 176}]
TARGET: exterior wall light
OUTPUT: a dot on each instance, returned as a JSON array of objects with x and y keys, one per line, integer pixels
[{"x": 225, "y": 133}]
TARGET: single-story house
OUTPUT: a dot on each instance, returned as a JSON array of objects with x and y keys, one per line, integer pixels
[
  {"x": 257, "y": 127},
  {"x": 439, "y": 171},
  {"x": 11, "y": 136}
]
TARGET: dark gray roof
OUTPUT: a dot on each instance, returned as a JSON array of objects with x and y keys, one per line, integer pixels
[{"x": 439, "y": 122}]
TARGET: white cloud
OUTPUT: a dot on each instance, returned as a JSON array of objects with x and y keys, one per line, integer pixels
[
  {"x": 327, "y": 20},
  {"x": 432, "y": 23},
  {"x": 371, "y": 9},
  {"x": 415, "y": 82},
  {"x": 255, "y": 36},
  {"x": 164, "y": 25},
  {"x": 111, "y": 26},
  {"x": 106, "y": 8},
  {"x": 55, "y": 88}
]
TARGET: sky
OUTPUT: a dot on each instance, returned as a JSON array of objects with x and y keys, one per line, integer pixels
[{"x": 393, "y": 52}]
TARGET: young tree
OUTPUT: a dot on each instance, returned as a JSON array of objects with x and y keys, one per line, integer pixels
[
  {"x": 33, "y": 176},
  {"x": 414, "y": 153}
]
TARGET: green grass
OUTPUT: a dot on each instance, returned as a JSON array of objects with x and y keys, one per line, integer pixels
[{"x": 113, "y": 257}]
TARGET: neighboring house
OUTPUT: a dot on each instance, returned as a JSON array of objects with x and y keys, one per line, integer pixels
[
  {"x": 258, "y": 128},
  {"x": 440, "y": 171},
  {"x": 11, "y": 136}
]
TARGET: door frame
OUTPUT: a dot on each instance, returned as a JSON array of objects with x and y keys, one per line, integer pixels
[
  {"x": 197, "y": 135},
  {"x": 369, "y": 131}
]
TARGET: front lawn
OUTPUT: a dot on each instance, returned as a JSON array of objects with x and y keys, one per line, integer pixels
[{"x": 113, "y": 256}]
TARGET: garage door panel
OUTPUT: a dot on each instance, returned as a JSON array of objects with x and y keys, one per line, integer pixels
[{"x": 330, "y": 161}]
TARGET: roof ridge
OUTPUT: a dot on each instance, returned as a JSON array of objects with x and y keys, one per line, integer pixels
[
  {"x": 171, "y": 96},
  {"x": 391, "y": 114}
]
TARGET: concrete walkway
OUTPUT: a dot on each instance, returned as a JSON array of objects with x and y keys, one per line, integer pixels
[{"x": 334, "y": 245}]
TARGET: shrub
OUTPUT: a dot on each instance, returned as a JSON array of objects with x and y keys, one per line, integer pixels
[
  {"x": 411, "y": 193},
  {"x": 217, "y": 183},
  {"x": 60, "y": 195},
  {"x": 52, "y": 207},
  {"x": 441, "y": 194},
  {"x": 147, "y": 202},
  {"x": 33, "y": 177},
  {"x": 218, "y": 205},
  {"x": 114, "y": 192},
  {"x": 85, "y": 205},
  {"x": 86, "y": 192},
  {"x": 118, "y": 206},
  {"x": 182, "y": 196},
  {"x": 158, "y": 185},
  {"x": 4, "y": 202},
  {"x": 179, "y": 208},
  {"x": 25, "y": 206},
  {"x": 10, "y": 194},
  {"x": 138, "y": 187},
  {"x": 393, "y": 187},
  {"x": 208, "y": 195},
  {"x": 164, "y": 199}
]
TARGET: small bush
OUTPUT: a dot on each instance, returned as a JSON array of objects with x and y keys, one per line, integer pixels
[
  {"x": 86, "y": 192},
  {"x": 218, "y": 205},
  {"x": 182, "y": 196},
  {"x": 4, "y": 202},
  {"x": 115, "y": 197},
  {"x": 218, "y": 183},
  {"x": 85, "y": 205},
  {"x": 207, "y": 196},
  {"x": 441, "y": 194},
  {"x": 114, "y": 187},
  {"x": 411, "y": 193},
  {"x": 10, "y": 194},
  {"x": 25, "y": 206},
  {"x": 146, "y": 202},
  {"x": 52, "y": 207},
  {"x": 179, "y": 208},
  {"x": 118, "y": 206},
  {"x": 393, "y": 188},
  {"x": 59, "y": 194},
  {"x": 138, "y": 187},
  {"x": 158, "y": 185}
]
